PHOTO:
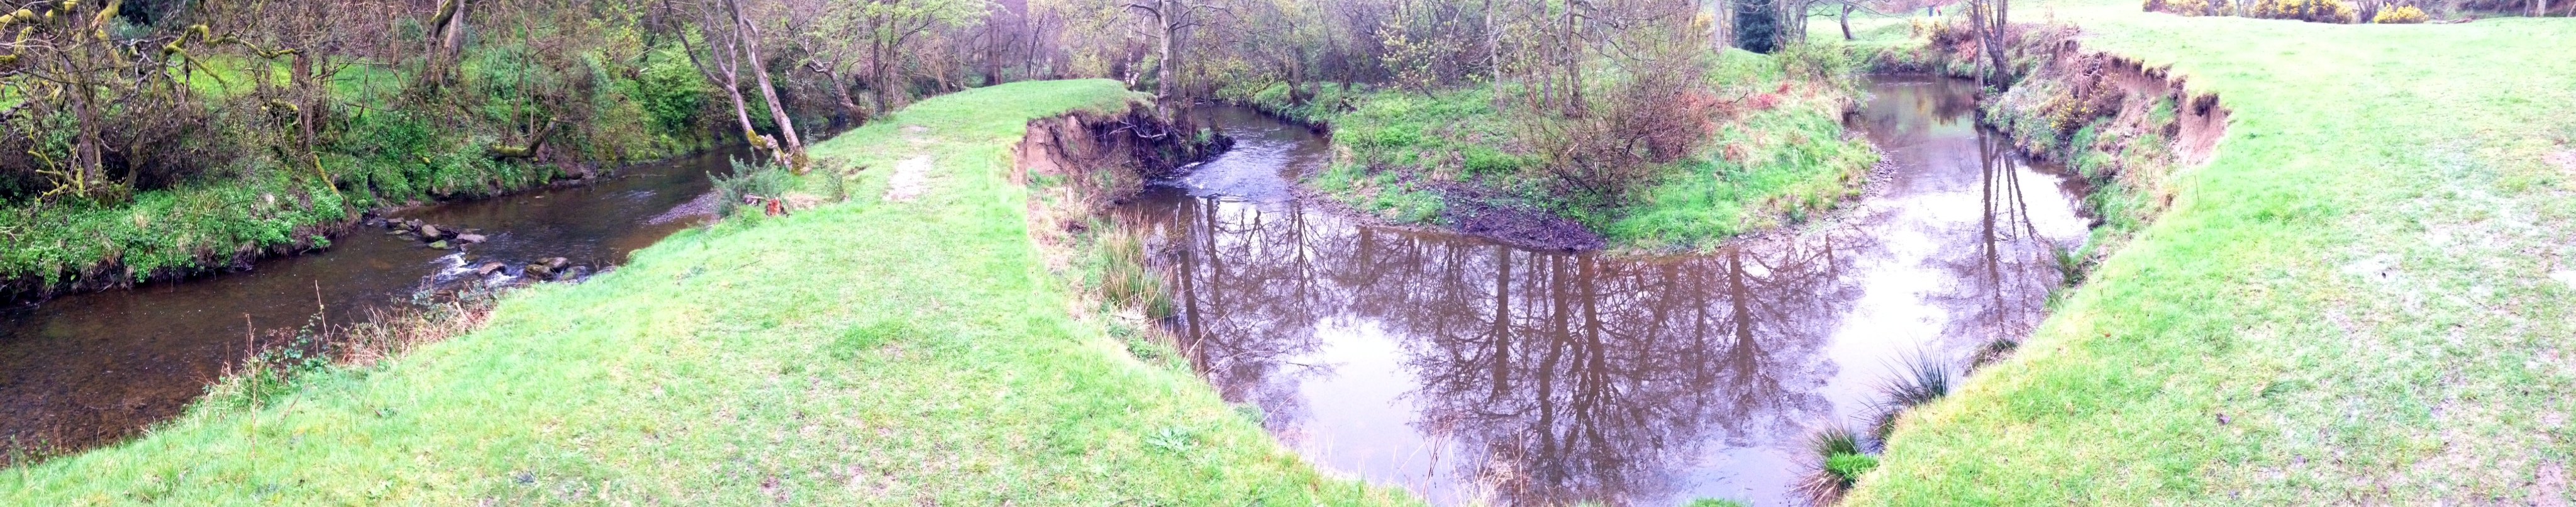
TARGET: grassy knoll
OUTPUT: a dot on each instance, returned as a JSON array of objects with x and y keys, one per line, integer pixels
[
  {"x": 1780, "y": 154},
  {"x": 2361, "y": 299},
  {"x": 869, "y": 352}
]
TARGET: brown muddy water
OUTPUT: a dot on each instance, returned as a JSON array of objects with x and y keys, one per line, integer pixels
[
  {"x": 1470, "y": 371},
  {"x": 81, "y": 370}
]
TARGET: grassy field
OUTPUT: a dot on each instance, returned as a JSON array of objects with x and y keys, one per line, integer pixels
[
  {"x": 2363, "y": 298},
  {"x": 869, "y": 352}
]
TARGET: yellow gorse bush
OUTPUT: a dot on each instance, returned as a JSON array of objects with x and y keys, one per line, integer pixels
[{"x": 2400, "y": 15}]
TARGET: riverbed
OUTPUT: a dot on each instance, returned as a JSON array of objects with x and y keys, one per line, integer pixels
[
  {"x": 1470, "y": 371},
  {"x": 81, "y": 370}
]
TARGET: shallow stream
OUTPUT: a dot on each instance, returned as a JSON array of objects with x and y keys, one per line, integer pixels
[{"x": 85, "y": 369}]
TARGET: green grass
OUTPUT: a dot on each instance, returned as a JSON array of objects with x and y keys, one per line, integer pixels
[
  {"x": 2352, "y": 303},
  {"x": 859, "y": 353},
  {"x": 1770, "y": 167}
]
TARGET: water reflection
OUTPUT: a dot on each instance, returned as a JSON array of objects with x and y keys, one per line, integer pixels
[{"x": 1470, "y": 371}]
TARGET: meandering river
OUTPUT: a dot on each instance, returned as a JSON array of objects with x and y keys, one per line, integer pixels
[{"x": 1467, "y": 370}]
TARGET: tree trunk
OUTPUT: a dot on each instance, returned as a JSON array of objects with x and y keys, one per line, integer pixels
[
  {"x": 1163, "y": 69},
  {"x": 88, "y": 165},
  {"x": 750, "y": 39},
  {"x": 841, "y": 95},
  {"x": 1997, "y": 28},
  {"x": 1846, "y": 20}
]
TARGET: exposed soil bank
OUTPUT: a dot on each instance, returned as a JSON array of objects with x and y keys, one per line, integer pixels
[{"x": 2128, "y": 129}]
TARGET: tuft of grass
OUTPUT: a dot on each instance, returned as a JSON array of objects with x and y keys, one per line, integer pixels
[
  {"x": 1919, "y": 379},
  {"x": 702, "y": 372},
  {"x": 1837, "y": 466},
  {"x": 1127, "y": 278}
]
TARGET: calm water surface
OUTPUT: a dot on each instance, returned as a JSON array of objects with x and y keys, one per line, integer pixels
[
  {"x": 86, "y": 369},
  {"x": 1467, "y": 370}
]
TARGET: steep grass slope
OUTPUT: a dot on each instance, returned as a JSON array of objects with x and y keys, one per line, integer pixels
[
  {"x": 2364, "y": 298},
  {"x": 871, "y": 352}
]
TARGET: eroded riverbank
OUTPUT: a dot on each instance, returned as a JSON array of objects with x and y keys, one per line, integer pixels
[{"x": 1468, "y": 370}]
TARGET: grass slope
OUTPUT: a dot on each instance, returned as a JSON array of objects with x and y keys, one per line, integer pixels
[
  {"x": 2362, "y": 299},
  {"x": 861, "y": 353}
]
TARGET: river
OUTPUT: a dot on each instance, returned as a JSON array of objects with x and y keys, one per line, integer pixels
[
  {"x": 1469, "y": 371},
  {"x": 81, "y": 370}
]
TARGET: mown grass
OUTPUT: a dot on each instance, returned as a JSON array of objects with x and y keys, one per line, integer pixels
[
  {"x": 867, "y": 352},
  {"x": 2361, "y": 299},
  {"x": 1774, "y": 163}
]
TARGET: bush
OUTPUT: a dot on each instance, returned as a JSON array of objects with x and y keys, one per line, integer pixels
[
  {"x": 2316, "y": 11},
  {"x": 762, "y": 179},
  {"x": 2400, "y": 15}
]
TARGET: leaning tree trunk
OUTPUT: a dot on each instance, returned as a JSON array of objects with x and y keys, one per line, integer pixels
[
  {"x": 1846, "y": 20},
  {"x": 750, "y": 39},
  {"x": 841, "y": 97}
]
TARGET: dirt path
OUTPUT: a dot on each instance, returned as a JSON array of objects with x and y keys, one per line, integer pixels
[{"x": 911, "y": 179}]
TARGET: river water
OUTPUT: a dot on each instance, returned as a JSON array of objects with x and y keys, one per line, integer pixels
[
  {"x": 81, "y": 370},
  {"x": 1470, "y": 371}
]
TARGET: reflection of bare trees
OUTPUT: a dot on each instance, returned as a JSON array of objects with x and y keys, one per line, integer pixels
[
  {"x": 2005, "y": 278},
  {"x": 1556, "y": 378}
]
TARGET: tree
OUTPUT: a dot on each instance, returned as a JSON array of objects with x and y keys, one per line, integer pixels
[
  {"x": 1757, "y": 25},
  {"x": 83, "y": 93},
  {"x": 730, "y": 43},
  {"x": 1172, "y": 20}
]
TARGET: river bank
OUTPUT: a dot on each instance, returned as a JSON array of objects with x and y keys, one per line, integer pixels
[
  {"x": 79, "y": 370},
  {"x": 800, "y": 357},
  {"x": 2353, "y": 301}
]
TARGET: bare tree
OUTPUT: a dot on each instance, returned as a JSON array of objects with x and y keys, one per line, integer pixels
[{"x": 1172, "y": 20}]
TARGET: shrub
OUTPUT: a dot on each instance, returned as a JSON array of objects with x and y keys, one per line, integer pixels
[
  {"x": 2400, "y": 15},
  {"x": 2317, "y": 11},
  {"x": 753, "y": 179}
]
